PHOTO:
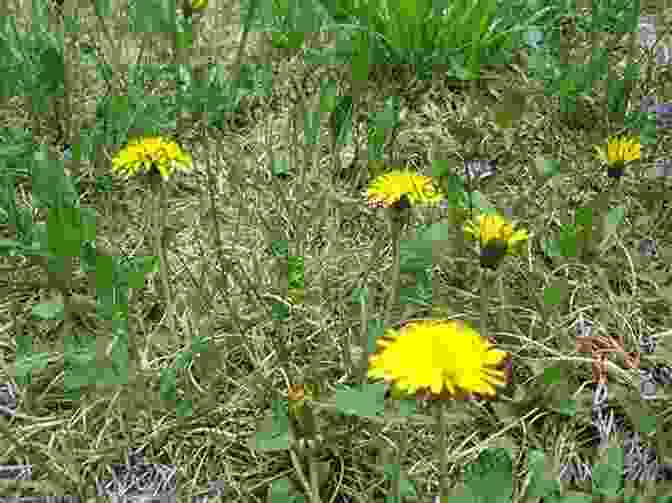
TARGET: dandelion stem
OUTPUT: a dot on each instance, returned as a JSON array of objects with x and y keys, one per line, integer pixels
[
  {"x": 396, "y": 231},
  {"x": 443, "y": 450},
  {"x": 160, "y": 249},
  {"x": 485, "y": 299}
]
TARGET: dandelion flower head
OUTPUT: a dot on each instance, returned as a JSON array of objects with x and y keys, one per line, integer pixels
[
  {"x": 388, "y": 189},
  {"x": 444, "y": 359},
  {"x": 144, "y": 154}
]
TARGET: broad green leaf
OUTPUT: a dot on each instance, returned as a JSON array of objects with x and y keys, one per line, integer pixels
[
  {"x": 35, "y": 361},
  {"x": 555, "y": 293},
  {"x": 647, "y": 424},
  {"x": 551, "y": 375},
  {"x": 490, "y": 477},
  {"x": 184, "y": 408},
  {"x": 48, "y": 310},
  {"x": 607, "y": 477},
  {"x": 328, "y": 95},
  {"x": 365, "y": 402}
]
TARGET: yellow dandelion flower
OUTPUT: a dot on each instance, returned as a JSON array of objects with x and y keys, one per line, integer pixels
[
  {"x": 440, "y": 359},
  {"x": 142, "y": 155},
  {"x": 496, "y": 237},
  {"x": 398, "y": 185},
  {"x": 198, "y": 4},
  {"x": 619, "y": 151}
]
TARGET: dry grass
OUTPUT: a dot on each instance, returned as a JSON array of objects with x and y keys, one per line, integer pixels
[{"x": 321, "y": 215}]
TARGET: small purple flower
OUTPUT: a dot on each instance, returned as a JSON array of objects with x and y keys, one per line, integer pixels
[
  {"x": 480, "y": 169},
  {"x": 663, "y": 111},
  {"x": 575, "y": 471},
  {"x": 647, "y": 31},
  {"x": 647, "y": 387},
  {"x": 648, "y": 248},
  {"x": 662, "y": 374},
  {"x": 663, "y": 55},
  {"x": 583, "y": 327},
  {"x": 640, "y": 462},
  {"x": 664, "y": 167},
  {"x": 8, "y": 400},
  {"x": 604, "y": 422},
  {"x": 600, "y": 396},
  {"x": 663, "y": 115},
  {"x": 647, "y": 344}
]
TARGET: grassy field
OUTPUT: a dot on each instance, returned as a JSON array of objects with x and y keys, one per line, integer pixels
[{"x": 276, "y": 275}]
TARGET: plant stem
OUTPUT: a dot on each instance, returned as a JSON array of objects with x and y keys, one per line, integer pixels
[
  {"x": 159, "y": 247},
  {"x": 395, "y": 224},
  {"x": 443, "y": 450},
  {"x": 485, "y": 299}
]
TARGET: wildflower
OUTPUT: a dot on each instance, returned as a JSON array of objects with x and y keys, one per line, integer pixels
[
  {"x": 197, "y": 5},
  {"x": 576, "y": 471},
  {"x": 496, "y": 236},
  {"x": 619, "y": 152},
  {"x": 402, "y": 187},
  {"x": 640, "y": 461},
  {"x": 662, "y": 374},
  {"x": 151, "y": 154},
  {"x": 648, "y": 248},
  {"x": 444, "y": 359},
  {"x": 647, "y": 386}
]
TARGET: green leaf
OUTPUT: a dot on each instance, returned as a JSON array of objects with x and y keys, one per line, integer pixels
[
  {"x": 555, "y": 294},
  {"x": 65, "y": 231},
  {"x": 104, "y": 272},
  {"x": 419, "y": 294},
  {"x": 551, "y": 247},
  {"x": 360, "y": 295},
  {"x": 607, "y": 477},
  {"x": 295, "y": 272},
  {"x": 280, "y": 491},
  {"x": 375, "y": 329},
  {"x": 35, "y": 361},
  {"x": 365, "y": 402},
  {"x": 567, "y": 242},
  {"x": 280, "y": 167},
  {"x": 280, "y": 248},
  {"x": 135, "y": 279},
  {"x": 576, "y": 497},
  {"x": 490, "y": 477},
  {"x": 551, "y": 375},
  {"x": 341, "y": 119},
  {"x": 168, "y": 386},
  {"x": 183, "y": 359},
  {"x": 184, "y": 408},
  {"x": 539, "y": 486},
  {"x": 272, "y": 433},
  {"x": 328, "y": 96},
  {"x": 279, "y": 311},
  {"x": 566, "y": 407},
  {"x": 612, "y": 220},
  {"x": 48, "y": 311}
]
